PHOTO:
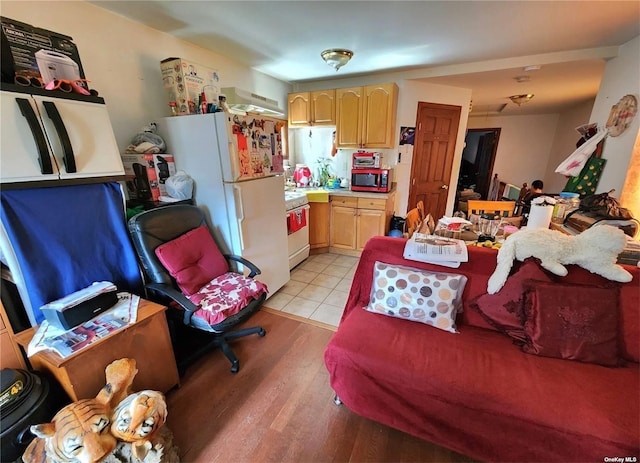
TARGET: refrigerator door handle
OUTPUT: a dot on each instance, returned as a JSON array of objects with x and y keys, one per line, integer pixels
[
  {"x": 237, "y": 192},
  {"x": 68, "y": 157},
  {"x": 32, "y": 120}
]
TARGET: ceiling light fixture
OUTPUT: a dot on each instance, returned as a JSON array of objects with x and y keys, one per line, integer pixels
[
  {"x": 533, "y": 67},
  {"x": 521, "y": 79},
  {"x": 519, "y": 99},
  {"x": 336, "y": 57}
]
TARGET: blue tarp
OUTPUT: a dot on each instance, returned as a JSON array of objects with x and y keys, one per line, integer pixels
[{"x": 66, "y": 238}]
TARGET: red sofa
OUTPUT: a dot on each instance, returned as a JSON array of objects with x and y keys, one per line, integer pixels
[{"x": 476, "y": 392}]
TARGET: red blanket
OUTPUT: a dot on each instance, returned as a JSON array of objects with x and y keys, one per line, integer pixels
[{"x": 476, "y": 392}]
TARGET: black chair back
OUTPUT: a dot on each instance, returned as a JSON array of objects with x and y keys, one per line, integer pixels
[{"x": 154, "y": 227}]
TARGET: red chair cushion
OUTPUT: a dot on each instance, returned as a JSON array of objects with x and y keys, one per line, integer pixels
[
  {"x": 226, "y": 295},
  {"x": 193, "y": 259}
]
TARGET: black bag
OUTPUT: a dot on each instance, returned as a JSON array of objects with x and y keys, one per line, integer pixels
[
  {"x": 397, "y": 223},
  {"x": 604, "y": 206}
]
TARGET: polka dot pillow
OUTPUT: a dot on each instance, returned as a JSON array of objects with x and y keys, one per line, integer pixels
[{"x": 418, "y": 295}]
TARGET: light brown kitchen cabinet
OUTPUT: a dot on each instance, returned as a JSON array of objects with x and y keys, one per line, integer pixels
[
  {"x": 366, "y": 116},
  {"x": 10, "y": 354},
  {"x": 312, "y": 108},
  {"x": 319, "y": 218},
  {"x": 356, "y": 219},
  {"x": 344, "y": 216}
]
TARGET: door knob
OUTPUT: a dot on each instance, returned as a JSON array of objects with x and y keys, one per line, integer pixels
[{"x": 445, "y": 187}]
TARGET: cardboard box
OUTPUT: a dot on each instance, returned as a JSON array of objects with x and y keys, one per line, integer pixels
[
  {"x": 146, "y": 174},
  {"x": 184, "y": 81},
  {"x": 30, "y": 52}
]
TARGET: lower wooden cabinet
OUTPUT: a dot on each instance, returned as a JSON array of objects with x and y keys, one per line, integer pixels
[
  {"x": 356, "y": 219},
  {"x": 10, "y": 354},
  {"x": 319, "y": 218}
]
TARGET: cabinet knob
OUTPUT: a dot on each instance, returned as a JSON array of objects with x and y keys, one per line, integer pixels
[{"x": 445, "y": 187}]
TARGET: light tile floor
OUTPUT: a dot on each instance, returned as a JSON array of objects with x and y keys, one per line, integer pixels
[{"x": 318, "y": 288}]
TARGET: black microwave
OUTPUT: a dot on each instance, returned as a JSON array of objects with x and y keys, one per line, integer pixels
[{"x": 376, "y": 180}]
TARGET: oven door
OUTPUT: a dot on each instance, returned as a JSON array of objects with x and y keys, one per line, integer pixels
[{"x": 298, "y": 235}]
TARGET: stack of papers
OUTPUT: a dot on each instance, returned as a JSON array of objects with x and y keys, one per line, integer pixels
[
  {"x": 66, "y": 343},
  {"x": 433, "y": 249}
]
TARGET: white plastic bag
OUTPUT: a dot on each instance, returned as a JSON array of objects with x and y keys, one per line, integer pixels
[
  {"x": 572, "y": 166},
  {"x": 180, "y": 185}
]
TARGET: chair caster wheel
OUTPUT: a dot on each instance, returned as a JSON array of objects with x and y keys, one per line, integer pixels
[
  {"x": 261, "y": 333},
  {"x": 235, "y": 366},
  {"x": 336, "y": 400}
]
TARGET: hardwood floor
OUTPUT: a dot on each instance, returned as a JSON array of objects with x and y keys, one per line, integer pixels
[{"x": 279, "y": 407}]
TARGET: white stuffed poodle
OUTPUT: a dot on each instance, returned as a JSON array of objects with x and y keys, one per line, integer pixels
[{"x": 595, "y": 249}]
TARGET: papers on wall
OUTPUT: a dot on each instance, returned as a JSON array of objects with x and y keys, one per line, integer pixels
[
  {"x": 433, "y": 249},
  {"x": 65, "y": 343}
]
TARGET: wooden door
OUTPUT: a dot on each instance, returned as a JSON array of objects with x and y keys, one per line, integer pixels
[
  {"x": 299, "y": 108},
  {"x": 349, "y": 117},
  {"x": 435, "y": 140},
  {"x": 323, "y": 107},
  {"x": 380, "y": 103},
  {"x": 484, "y": 162}
]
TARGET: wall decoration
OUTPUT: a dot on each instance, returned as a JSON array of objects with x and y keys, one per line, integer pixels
[
  {"x": 407, "y": 135},
  {"x": 622, "y": 115}
]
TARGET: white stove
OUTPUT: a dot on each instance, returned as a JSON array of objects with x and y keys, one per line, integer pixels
[
  {"x": 295, "y": 199},
  {"x": 297, "y": 216}
]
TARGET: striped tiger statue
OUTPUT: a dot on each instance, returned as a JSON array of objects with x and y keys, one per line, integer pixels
[
  {"x": 80, "y": 432},
  {"x": 137, "y": 419}
]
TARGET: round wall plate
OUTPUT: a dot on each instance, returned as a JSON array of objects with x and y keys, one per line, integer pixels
[{"x": 622, "y": 115}]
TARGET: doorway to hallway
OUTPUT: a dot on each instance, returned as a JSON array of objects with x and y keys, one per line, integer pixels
[{"x": 478, "y": 157}]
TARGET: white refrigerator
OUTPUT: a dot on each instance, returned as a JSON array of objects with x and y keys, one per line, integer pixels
[{"x": 236, "y": 163}]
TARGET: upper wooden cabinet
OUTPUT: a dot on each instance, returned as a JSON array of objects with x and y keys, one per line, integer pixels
[
  {"x": 366, "y": 116},
  {"x": 312, "y": 108}
]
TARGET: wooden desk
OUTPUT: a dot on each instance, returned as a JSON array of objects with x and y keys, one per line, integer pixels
[
  {"x": 147, "y": 341},
  {"x": 561, "y": 228}
]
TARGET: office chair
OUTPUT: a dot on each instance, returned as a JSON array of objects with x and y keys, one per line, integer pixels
[{"x": 184, "y": 267}]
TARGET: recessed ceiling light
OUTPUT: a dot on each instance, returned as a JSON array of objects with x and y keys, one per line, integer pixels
[{"x": 533, "y": 67}]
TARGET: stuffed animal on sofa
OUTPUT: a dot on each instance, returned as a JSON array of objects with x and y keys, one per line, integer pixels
[{"x": 595, "y": 249}]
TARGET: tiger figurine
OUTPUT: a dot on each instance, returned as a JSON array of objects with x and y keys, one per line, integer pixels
[
  {"x": 137, "y": 419},
  {"x": 80, "y": 432}
]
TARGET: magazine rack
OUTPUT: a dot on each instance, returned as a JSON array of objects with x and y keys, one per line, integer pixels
[{"x": 147, "y": 341}]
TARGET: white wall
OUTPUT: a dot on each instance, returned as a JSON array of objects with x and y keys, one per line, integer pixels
[
  {"x": 621, "y": 77},
  {"x": 524, "y": 145},
  {"x": 122, "y": 60},
  {"x": 564, "y": 144}
]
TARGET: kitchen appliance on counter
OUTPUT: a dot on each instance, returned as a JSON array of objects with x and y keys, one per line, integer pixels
[
  {"x": 236, "y": 163},
  {"x": 297, "y": 214},
  {"x": 375, "y": 180},
  {"x": 366, "y": 160}
]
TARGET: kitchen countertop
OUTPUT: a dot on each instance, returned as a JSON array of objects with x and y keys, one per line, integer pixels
[{"x": 342, "y": 192}]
